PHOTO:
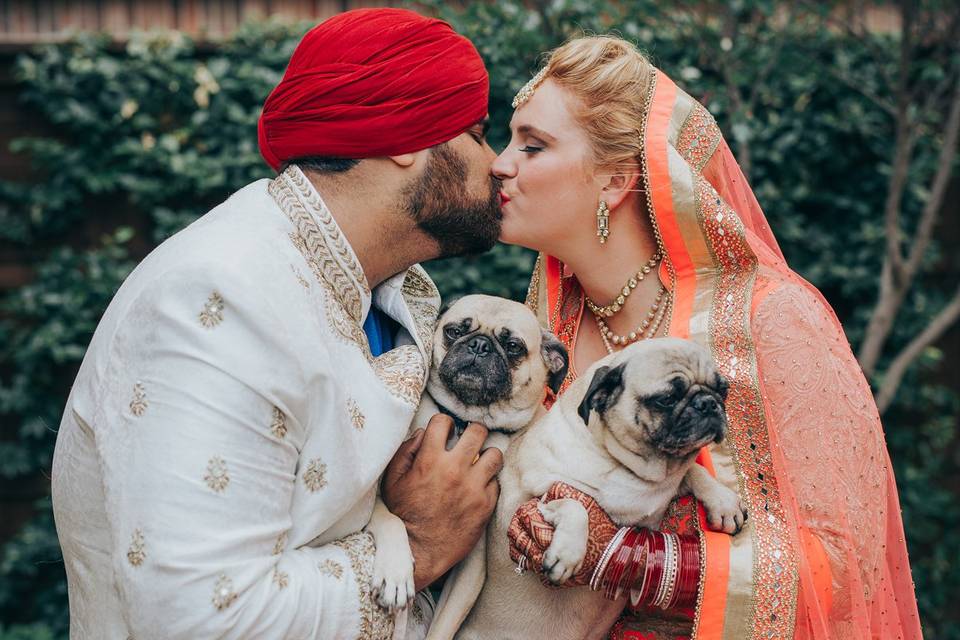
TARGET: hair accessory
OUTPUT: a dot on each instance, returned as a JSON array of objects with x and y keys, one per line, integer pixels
[{"x": 524, "y": 94}]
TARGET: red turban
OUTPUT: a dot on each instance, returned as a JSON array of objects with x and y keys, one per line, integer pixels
[{"x": 373, "y": 82}]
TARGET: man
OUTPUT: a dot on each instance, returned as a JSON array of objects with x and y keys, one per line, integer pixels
[{"x": 224, "y": 440}]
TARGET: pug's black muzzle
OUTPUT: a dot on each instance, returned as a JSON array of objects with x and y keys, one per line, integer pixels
[
  {"x": 475, "y": 370},
  {"x": 699, "y": 418}
]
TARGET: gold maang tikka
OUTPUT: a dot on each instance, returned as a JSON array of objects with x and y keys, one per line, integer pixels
[
  {"x": 524, "y": 94},
  {"x": 603, "y": 221}
]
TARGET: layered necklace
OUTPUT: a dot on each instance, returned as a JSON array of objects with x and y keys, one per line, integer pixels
[{"x": 652, "y": 321}]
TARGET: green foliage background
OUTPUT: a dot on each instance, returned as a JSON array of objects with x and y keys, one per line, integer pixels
[{"x": 149, "y": 137}]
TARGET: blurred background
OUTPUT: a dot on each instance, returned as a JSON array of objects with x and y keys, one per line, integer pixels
[{"x": 122, "y": 121}]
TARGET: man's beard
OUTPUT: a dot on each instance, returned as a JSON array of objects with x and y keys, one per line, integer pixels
[{"x": 437, "y": 203}]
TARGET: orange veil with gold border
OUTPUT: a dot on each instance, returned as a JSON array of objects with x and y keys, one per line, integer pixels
[{"x": 823, "y": 553}]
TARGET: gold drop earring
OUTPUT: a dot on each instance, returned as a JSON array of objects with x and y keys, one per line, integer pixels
[{"x": 603, "y": 222}]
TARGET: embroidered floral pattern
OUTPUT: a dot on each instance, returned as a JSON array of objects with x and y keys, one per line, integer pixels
[
  {"x": 212, "y": 313},
  {"x": 280, "y": 544},
  {"x": 280, "y": 578},
  {"x": 139, "y": 403},
  {"x": 375, "y": 622},
  {"x": 699, "y": 137},
  {"x": 223, "y": 594},
  {"x": 217, "y": 477},
  {"x": 357, "y": 419},
  {"x": 315, "y": 477},
  {"x": 331, "y": 568},
  {"x": 136, "y": 554},
  {"x": 278, "y": 426}
]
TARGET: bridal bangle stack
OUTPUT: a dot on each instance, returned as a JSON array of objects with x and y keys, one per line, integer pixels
[{"x": 669, "y": 564}]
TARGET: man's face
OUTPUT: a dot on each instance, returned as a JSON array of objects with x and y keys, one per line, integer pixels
[{"x": 455, "y": 200}]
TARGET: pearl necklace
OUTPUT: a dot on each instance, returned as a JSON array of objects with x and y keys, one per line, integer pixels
[
  {"x": 615, "y": 306},
  {"x": 648, "y": 328}
]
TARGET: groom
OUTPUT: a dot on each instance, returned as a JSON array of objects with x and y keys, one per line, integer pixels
[{"x": 253, "y": 377}]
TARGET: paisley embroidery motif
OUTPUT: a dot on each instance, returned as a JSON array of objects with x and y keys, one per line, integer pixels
[
  {"x": 217, "y": 477},
  {"x": 280, "y": 544},
  {"x": 331, "y": 568},
  {"x": 280, "y": 578},
  {"x": 278, "y": 426},
  {"x": 315, "y": 477},
  {"x": 223, "y": 594},
  {"x": 212, "y": 313},
  {"x": 357, "y": 419},
  {"x": 136, "y": 553},
  {"x": 139, "y": 403}
]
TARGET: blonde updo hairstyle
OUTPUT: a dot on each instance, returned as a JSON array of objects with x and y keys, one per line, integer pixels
[{"x": 609, "y": 78}]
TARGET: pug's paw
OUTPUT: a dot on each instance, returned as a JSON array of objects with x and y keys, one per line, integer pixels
[
  {"x": 566, "y": 552},
  {"x": 724, "y": 510},
  {"x": 392, "y": 580}
]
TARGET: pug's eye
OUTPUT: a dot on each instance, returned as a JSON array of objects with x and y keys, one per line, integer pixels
[
  {"x": 666, "y": 401},
  {"x": 513, "y": 348},
  {"x": 453, "y": 332}
]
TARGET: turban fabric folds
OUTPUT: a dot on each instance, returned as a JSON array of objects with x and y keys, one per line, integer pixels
[{"x": 373, "y": 82}]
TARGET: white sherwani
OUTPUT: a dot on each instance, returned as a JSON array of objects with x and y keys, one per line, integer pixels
[{"x": 223, "y": 441}]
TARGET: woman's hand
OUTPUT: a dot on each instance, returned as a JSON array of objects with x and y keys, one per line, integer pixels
[{"x": 530, "y": 534}]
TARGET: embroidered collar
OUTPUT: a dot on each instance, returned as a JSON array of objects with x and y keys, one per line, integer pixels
[{"x": 409, "y": 297}]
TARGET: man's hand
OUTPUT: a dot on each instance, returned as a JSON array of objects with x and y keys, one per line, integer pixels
[
  {"x": 443, "y": 497},
  {"x": 530, "y": 533}
]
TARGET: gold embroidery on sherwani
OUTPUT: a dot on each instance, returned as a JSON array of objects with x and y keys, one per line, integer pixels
[
  {"x": 136, "y": 553},
  {"x": 403, "y": 370},
  {"x": 331, "y": 568},
  {"x": 280, "y": 578},
  {"x": 217, "y": 477},
  {"x": 223, "y": 594},
  {"x": 303, "y": 281},
  {"x": 280, "y": 544},
  {"x": 375, "y": 621},
  {"x": 139, "y": 403},
  {"x": 357, "y": 419},
  {"x": 315, "y": 477},
  {"x": 278, "y": 426},
  {"x": 212, "y": 313}
]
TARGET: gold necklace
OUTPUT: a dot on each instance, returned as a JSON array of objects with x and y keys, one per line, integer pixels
[
  {"x": 648, "y": 328},
  {"x": 615, "y": 306}
]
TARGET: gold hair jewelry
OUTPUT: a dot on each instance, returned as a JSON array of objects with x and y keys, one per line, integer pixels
[
  {"x": 648, "y": 328},
  {"x": 603, "y": 222},
  {"x": 524, "y": 94},
  {"x": 617, "y": 304}
]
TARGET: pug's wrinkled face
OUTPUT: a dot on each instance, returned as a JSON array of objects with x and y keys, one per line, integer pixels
[
  {"x": 491, "y": 362},
  {"x": 662, "y": 396}
]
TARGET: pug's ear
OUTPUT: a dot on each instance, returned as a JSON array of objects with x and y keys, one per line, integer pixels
[
  {"x": 555, "y": 356},
  {"x": 604, "y": 391}
]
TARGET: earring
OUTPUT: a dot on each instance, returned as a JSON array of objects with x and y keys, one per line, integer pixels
[{"x": 603, "y": 222}]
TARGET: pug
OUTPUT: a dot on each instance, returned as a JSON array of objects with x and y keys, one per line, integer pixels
[
  {"x": 491, "y": 364},
  {"x": 627, "y": 434}
]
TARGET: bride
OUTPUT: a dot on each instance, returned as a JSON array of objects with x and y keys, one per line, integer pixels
[{"x": 646, "y": 227}]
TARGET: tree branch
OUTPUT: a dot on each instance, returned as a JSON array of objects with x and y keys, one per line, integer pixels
[
  {"x": 938, "y": 187},
  {"x": 901, "y": 363}
]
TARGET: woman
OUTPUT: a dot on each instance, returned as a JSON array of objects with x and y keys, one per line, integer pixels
[{"x": 616, "y": 176}]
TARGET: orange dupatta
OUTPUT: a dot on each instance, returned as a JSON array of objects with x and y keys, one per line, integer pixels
[{"x": 823, "y": 554}]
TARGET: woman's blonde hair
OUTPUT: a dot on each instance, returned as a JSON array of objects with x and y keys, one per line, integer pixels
[{"x": 610, "y": 78}]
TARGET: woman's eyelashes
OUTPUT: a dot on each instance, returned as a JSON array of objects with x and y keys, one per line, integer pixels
[{"x": 531, "y": 148}]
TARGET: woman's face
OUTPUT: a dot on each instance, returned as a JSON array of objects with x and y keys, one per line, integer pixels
[{"x": 548, "y": 192}]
